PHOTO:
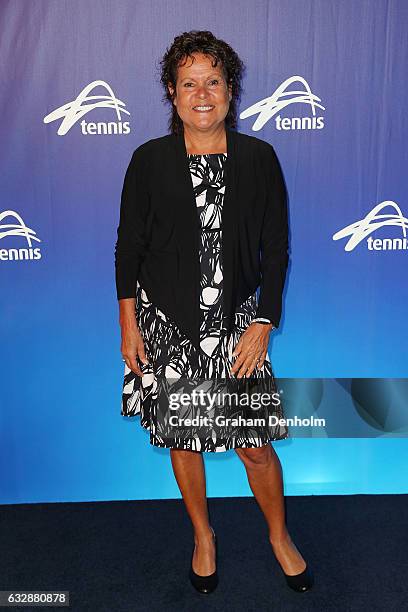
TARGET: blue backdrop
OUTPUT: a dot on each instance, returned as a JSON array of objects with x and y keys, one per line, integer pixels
[{"x": 326, "y": 85}]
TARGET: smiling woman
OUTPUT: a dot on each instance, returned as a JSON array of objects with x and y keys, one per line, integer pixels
[
  {"x": 198, "y": 59},
  {"x": 202, "y": 97},
  {"x": 203, "y": 224}
]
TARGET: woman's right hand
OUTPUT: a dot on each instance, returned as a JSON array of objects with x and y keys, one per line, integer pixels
[{"x": 132, "y": 346}]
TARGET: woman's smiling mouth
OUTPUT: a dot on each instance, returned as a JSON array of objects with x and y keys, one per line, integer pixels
[{"x": 203, "y": 108}]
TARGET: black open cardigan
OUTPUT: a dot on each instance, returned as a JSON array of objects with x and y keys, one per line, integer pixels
[{"x": 158, "y": 233}]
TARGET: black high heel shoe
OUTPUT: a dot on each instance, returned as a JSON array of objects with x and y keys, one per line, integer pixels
[
  {"x": 204, "y": 584},
  {"x": 300, "y": 582}
]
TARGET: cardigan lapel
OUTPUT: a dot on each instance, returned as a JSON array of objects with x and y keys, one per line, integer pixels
[{"x": 230, "y": 229}]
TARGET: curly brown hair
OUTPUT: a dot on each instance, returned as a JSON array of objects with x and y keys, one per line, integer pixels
[{"x": 201, "y": 41}]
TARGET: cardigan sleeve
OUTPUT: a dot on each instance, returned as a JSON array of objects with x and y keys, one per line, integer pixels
[
  {"x": 274, "y": 242},
  {"x": 131, "y": 244}
]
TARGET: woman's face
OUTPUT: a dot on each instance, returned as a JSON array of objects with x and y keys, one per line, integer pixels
[{"x": 201, "y": 85}]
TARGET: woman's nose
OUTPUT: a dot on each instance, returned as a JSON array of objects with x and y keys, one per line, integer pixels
[{"x": 201, "y": 91}]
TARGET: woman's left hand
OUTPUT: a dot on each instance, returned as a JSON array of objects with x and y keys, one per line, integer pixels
[{"x": 251, "y": 349}]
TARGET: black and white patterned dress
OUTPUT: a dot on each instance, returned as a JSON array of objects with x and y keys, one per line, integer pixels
[{"x": 172, "y": 356}]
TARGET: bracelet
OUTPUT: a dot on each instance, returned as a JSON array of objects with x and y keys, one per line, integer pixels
[{"x": 263, "y": 322}]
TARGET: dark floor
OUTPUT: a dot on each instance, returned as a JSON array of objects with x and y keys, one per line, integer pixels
[{"x": 131, "y": 556}]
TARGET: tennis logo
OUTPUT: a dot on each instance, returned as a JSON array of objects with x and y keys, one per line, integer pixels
[
  {"x": 361, "y": 230},
  {"x": 283, "y": 97},
  {"x": 72, "y": 112},
  {"x": 20, "y": 230}
]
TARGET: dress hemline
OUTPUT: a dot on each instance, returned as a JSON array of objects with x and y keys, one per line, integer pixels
[{"x": 216, "y": 450}]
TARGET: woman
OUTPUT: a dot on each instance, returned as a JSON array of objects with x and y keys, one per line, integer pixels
[{"x": 198, "y": 206}]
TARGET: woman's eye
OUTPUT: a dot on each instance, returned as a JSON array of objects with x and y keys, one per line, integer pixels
[{"x": 213, "y": 82}]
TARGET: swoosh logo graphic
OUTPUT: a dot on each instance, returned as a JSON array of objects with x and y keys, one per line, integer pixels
[
  {"x": 73, "y": 111},
  {"x": 14, "y": 229},
  {"x": 268, "y": 107},
  {"x": 373, "y": 221}
]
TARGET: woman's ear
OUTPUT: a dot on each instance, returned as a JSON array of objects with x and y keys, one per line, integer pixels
[
  {"x": 171, "y": 91},
  {"x": 230, "y": 91}
]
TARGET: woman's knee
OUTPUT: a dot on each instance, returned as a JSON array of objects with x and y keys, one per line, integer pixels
[
  {"x": 185, "y": 455},
  {"x": 255, "y": 458}
]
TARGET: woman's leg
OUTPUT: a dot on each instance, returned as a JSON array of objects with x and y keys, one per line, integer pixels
[
  {"x": 264, "y": 473},
  {"x": 188, "y": 468}
]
